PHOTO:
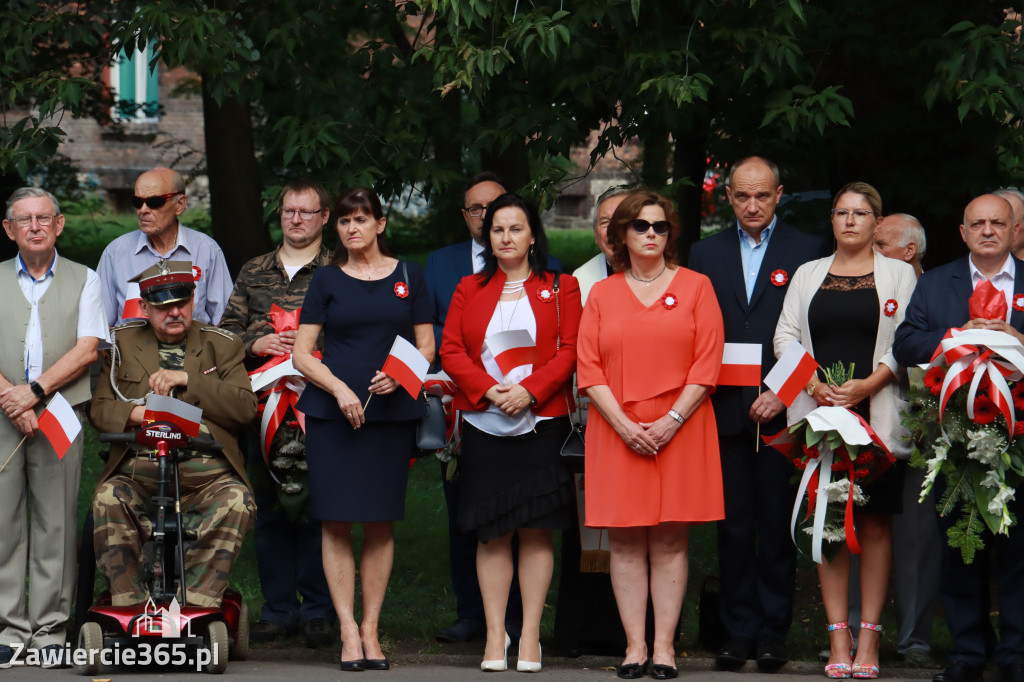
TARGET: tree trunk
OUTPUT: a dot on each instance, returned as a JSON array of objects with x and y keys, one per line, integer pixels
[{"x": 236, "y": 209}]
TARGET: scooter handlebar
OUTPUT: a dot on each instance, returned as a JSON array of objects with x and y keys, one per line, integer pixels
[
  {"x": 205, "y": 444},
  {"x": 117, "y": 437}
]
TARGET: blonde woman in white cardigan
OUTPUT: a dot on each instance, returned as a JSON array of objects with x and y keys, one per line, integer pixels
[{"x": 846, "y": 308}]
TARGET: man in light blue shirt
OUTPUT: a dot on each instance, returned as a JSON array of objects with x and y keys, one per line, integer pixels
[{"x": 159, "y": 200}]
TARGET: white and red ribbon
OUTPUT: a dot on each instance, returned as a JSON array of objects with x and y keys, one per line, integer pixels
[{"x": 970, "y": 355}]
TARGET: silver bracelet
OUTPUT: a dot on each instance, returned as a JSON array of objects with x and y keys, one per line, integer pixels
[{"x": 678, "y": 417}]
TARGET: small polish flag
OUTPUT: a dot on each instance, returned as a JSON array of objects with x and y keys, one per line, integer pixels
[
  {"x": 132, "y": 310},
  {"x": 442, "y": 381},
  {"x": 60, "y": 424},
  {"x": 407, "y": 366},
  {"x": 163, "y": 408},
  {"x": 741, "y": 365},
  {"x": 511, "y": 349},
  {"x": 791, "y": 373}
]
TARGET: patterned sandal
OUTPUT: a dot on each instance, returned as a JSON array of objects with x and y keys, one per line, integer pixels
[
  {"x": 838, "y": 671},
  {"x": 867, "y": 672}
]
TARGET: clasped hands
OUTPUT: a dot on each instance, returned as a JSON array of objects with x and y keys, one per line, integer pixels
[
  {"x": 648, "y": 438},
  {"x": 274, "y": 344},
  {"x": 848, "y": 395},
  {"x": 17, "y": 403},
  {"x": 349, "y": 404},
  {"x": 509, "y": 398}
]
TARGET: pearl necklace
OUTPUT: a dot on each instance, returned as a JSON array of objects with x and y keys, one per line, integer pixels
[{"x": 648, "y": 282}]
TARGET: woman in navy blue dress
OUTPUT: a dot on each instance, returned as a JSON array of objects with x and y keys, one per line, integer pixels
[{"x": 359, "y": 459}]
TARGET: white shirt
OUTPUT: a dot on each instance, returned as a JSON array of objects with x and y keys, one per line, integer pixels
[
  {"x": 507, "y": 315},
  {"x": 477, "y": 253},
  {"x": 1002, "y": 280},
  {"x": 91, "y": 318}
]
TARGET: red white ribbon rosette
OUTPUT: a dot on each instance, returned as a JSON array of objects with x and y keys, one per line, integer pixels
[
  {"x": 971, "y": 355},
  {"x": 891, "y": 306},
  {"x": 1018, "y": 302},
  {"x": 779, "y": 278},
  {"x": 544, "y": 295}
]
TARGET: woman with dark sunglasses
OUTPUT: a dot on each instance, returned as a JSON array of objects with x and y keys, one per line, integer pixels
[{"x": 650, "y": 347}]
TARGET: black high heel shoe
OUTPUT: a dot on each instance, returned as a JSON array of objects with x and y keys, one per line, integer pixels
[
  {"x": 632, "y": 671},
  {"x": 353, "y": 666},
  {"x": 663, "y": 672},
  {"x": 377, "y": 664}
]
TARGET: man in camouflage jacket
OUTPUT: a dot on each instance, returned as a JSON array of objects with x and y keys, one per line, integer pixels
[
  {"x": 201, "y": 365},
  {"x": 288, "y": 543}
]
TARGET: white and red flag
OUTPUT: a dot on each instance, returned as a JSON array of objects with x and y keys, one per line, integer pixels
[
  {"x": 163, "y": 408},
  {"x": 791, "y": 373},
  {"x": 440, "y": 384},
  {"x": 60, "y": 424},
  {"x": 407, "y": 366},
  {"x": 741, "y": 365},
  {"x": 511, "y": 349},
  {"x": 132, "y": 310}
]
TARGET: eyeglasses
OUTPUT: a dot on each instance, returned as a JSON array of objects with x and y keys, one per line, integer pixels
[
  {"x": 475, "y": 211},
  {"x": 858, "y": 213},
  {"x": 154, "y": 201},
  {"x": 289, "y": 213},
  {"x": 24, "y": 221},
  {"x": 661, "y": 227}
]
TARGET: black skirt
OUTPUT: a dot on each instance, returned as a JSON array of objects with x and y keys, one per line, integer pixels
[{"x": 509, "y": 482}]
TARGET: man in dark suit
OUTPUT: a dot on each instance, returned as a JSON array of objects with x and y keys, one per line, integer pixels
[
  {"x": 757, "y": 559},
  {"x": 939, "y": 303},
  {"x": 445, "y": 267}
]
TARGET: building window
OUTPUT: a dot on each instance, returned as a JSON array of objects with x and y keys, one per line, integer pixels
[{"x": 135, "y": 87}]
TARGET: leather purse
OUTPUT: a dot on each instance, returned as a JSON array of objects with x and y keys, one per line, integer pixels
[
  {"x": 430, "y": 431},
  {"x": 574, "y": 446}
]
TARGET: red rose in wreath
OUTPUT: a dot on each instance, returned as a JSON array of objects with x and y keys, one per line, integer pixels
[
  {"x": 545, "y": 295},
  {"x": 891, "y": 306},
  {"x": 669, "y": 300},
  {"x": 779, "y": 278},
  {"x": 401, "y": 289},
  {"x": 1018, "y": 302}
]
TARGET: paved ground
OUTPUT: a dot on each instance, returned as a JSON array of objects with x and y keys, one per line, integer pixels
[{"x": 301, "y": 665}]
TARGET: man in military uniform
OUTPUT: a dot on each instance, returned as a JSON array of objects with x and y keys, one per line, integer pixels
[
  {"x": 288, "y": 542},
  {"x": 200, "y": 365}
]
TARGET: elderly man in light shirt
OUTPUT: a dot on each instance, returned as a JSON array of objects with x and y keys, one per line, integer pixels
[{"x": 159, "y": 200}]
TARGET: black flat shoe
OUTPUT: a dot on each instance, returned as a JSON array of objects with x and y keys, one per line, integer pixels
[
  {"x": 376, "y": 664},
  {"x": 663, "y": 672},
  {"x": 631, "y": 671},
  {"x": 353, "y": 666}
]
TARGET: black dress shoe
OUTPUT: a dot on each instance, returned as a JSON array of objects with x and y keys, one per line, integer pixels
[
  {"x": 268, "y": 631},
  {"x": 735, "y": 653},
  {"x": 631, "y": 671},
  {"x": 353, "y": 666},
  {"x": 377, "y": 664},
  {"x": 663, "y": 672},
  {"x": 461, "y": 631},
  {"x": 771, "y": 654},
  {"x": 960, "y": 672},
  {"x": 1015, "y": 671}
]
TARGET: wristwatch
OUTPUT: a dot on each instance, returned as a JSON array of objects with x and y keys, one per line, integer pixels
[
  {"x": 37, "y": 390},
  {"x": 678, "y": 417},
  {"x": 810, "y": 389}
]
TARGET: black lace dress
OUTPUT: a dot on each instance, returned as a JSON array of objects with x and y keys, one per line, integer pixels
[{"x": 843, "y": 323}]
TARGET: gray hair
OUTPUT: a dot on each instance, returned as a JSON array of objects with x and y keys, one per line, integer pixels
[
  {"x": 30, "y": 193},
  {"x": 1007, "y": 192},
  {"x": 912, "y": 232},
  {"x": 609, "y": 193}
]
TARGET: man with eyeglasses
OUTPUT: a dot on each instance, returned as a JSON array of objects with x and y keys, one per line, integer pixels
[
  {"x": 159, "y": 199},
  {"x": 749, "y": 264},
  {"x": 53, "y": 325},
  {"x": 939, "y": 303},
  {"x": 288, "y": 547}
]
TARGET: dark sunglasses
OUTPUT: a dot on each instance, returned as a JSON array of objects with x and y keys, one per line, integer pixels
[
  {"x": 661, "y": 227},
  {"x": 153, "y": 202}
]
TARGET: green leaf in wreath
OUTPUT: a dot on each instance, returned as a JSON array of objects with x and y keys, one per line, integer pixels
[
  {"x": 853, "y": 449},
  {"x": 813, "y": 437},
  {"x": 965, "y": 535},
  {"x": 983, "y": 495}
]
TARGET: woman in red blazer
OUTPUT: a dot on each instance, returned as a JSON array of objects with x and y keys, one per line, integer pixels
[{"x": 516, "y": 418}]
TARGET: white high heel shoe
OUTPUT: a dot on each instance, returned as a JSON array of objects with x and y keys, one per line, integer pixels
[
  {"x": 496, "y": 665},
  {"x": 529, "y": 666}
]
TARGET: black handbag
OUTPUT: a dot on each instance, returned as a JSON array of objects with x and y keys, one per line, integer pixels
[
  {"x": 574, "y": 446},
  {"x": 430, "y": 430}
]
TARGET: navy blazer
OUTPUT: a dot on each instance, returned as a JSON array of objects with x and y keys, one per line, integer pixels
[
  {"x": 938, "y": 304},
  {"x": 718, "y": 257},
  {"x": 445, "y": 269}
]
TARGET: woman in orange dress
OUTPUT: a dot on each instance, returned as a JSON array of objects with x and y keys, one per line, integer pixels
[{"x": 650, "y": 347}]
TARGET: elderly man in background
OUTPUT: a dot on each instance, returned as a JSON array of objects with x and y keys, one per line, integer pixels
[
  {"x": 597, "y": 268},
  {"x": 901, "y": 236},
  {"x": 288, "y": 542},
  {"x": 199, "y": 364},
  {"x": 53, "y": 324},
  {"x": 159, "y": 200},
  {"x": 939, "y": 303},
  {"x": 1016, "y": 199}
]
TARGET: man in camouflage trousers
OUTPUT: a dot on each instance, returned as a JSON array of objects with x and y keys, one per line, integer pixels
[
  {"x": 288, "y": 542},
  {"x": 201, "y": 365}
]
